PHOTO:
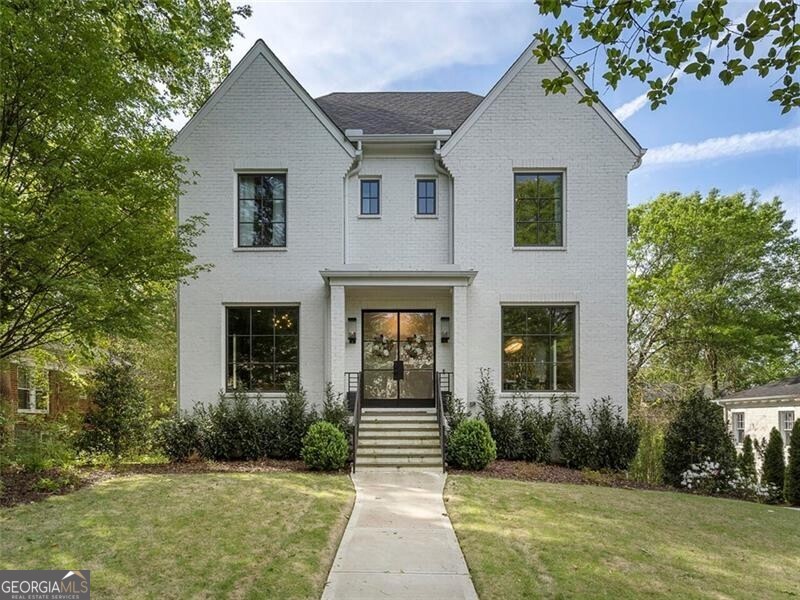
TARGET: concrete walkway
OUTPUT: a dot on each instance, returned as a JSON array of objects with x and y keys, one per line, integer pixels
[{"x": 399, "y": 542}]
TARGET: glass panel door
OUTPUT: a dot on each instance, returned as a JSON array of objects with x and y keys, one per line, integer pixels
[{"x": 398, "y": 358}]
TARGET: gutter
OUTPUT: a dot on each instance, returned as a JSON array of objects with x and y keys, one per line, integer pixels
[{"x": 354, "y": 169}]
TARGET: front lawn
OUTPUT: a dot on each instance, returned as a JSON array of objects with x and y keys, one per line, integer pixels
[
  {"x": 179, "y": 536},
  {"x": 543, "y": 540}
]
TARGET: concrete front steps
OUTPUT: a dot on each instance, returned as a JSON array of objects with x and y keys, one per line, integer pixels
[{"x": 400, "y": 440}]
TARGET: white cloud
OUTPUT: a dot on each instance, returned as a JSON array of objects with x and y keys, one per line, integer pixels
[
  {"x": 722, "y": 147},
  {"x": 342, "y": 46}
]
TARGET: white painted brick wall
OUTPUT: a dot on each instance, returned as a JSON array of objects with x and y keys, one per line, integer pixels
[
  {"x": 261, "y": 124},
  {"x": 523, "y": 129}
]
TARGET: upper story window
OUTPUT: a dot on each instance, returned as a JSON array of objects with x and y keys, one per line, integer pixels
[
  {"x": 32, "y": 391},
  {"x": 370, "y": 197},
  {"x": 262, "y": 210},
  {"x": 538, "y": 348},
  {"x": 426, "y": 196},
  {"x": 262, "y": 347},
  {"x": 785, "y": 424},
  {"x": 538, "y": 209},
  {"x": 738, "y": 427}
]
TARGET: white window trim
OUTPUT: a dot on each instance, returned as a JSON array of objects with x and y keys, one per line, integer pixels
[
  {"x": 537, "y": 394},
  {"x": 255, "y": 171},
  {"x": 786, "y": 433},
  {"x": 734, "y": 415},
  {"x": 564, "y": 192},
  {"x": 31, "y": 395}
]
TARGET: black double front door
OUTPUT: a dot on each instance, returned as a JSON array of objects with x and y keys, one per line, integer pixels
[{"x": 398, "y": 357}]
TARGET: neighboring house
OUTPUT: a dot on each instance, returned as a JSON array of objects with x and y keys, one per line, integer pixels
[
  {"x": 756, "y": 411},
  {"x": 30, "y": 388},
  {"x": 404, "y": 234}
]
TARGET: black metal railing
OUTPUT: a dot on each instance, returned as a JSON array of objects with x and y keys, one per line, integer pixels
[
  {"x": 442, "y": 391},
  {"x": 354, "y": 403}
]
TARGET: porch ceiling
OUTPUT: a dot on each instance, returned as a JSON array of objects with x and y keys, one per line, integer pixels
[{"x": 362, "y": 276}]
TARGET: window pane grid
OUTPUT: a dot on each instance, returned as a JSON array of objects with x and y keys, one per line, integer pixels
[
  {"x": 538, "y": 351},
  {"x": 370, "y": 197},
  {"x": 538, "y": 211},
  {"x": 426, "y": 197},
  {"x": 262, "y": 210},
  {"x": 262, "y": 350}
]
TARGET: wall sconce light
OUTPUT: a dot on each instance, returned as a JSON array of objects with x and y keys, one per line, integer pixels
[
  {"x": 445, "y": 329},
  {"x": 351, "y": 330}
]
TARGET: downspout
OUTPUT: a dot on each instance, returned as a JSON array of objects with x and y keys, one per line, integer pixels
[
  {"x": 442, "y": 169},
  {"x": 354, "y": 169}
]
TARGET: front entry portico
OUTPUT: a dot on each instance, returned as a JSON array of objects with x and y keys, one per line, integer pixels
[{"x": 386, "y": 325}]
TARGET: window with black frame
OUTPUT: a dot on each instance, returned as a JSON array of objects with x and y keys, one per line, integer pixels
[
  {"x": 262, "y": 347},
  {"x": 538, "y": 209},
  {"x": 426, "y": 196},
  {"x": 538, "y": 353},
  {"x": 370, "y": 197},
  {"x": 262, "y": 210}
]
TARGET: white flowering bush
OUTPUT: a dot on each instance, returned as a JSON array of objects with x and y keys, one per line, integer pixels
[{"x": 711, "y": 479}]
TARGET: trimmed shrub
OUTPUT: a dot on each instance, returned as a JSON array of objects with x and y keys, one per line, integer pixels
[
  {"x": 486, "y": 396},
  {"x": 600, "y": 440},
  {"x": 335, "y": 411},
  {"x": 118, "y": 423},
  {"x": 536, "y": 432},
  {"x": 647, "y": 465},
  {"x": 698, "y": 433},
  {"x": 773, "y": 471},
  {"x": 747, "y": 460},
  {"x": 792, "y": 491},
  {"x": 325, "y": 447},
  {"x": 232, "y": 428},
  {"x": 294, "y": 419},
  {"x": 178, "y": 437},
  {"x": 505, "y": 430},
  {"x": 471, "y": 445}
]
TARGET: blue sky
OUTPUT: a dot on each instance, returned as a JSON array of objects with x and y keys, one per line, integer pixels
[{"x": 730, "y": 138}]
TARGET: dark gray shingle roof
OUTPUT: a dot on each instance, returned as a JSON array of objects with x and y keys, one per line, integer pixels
[
  {"x": 399, "y": 112},
  {"x": 789, "y": 386}
]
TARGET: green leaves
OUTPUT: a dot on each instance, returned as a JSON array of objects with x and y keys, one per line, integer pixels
[
  {"x": 90, "y": 243},
  {"x": 632, "y": 39},
  {"x": 714, "y": 287}
]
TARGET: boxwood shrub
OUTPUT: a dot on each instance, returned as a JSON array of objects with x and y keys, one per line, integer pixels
[
  {"x": 325, "y": 447},
  {"x": 471, "y": 445}
]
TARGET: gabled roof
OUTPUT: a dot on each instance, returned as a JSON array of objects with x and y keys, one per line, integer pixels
[
  {"x": 788, "y": 387},
  {"x": 602, "y": 111},
  {"x": 399, "y": 112},
  {"x": 260, "y": 49}
]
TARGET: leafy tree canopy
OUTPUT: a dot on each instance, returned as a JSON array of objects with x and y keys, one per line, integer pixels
[
  {"x": 713, "y": 289},
  {"x": 89, "y": 243},
  {"x": 656, "y": 41}
]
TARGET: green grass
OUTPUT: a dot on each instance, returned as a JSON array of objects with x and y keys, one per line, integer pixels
[
  {"x": 178, "y": 536},
  {"x": 540, "y": 540}
]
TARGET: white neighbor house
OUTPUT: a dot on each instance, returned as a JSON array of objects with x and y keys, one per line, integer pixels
[
  {"x": 403, "y": 235},
  {"x": 756, "y": 411}
]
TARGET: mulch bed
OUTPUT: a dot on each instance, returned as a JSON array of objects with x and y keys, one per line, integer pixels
[
  {"x": 20, "y": 487},
  {"x": 526, "y": 471}
]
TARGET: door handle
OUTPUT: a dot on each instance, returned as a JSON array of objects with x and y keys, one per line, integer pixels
[{"x": 399, "y": 370}]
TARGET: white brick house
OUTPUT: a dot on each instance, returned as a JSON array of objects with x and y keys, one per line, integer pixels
[{"x": 404, "y": 234}]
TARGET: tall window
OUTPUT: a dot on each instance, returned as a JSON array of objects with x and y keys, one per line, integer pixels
[
  {"x": 538, "y": 351},
  {"x": 262, "y": 211},
  {"x": 263, "y": 347},
  {"x": 538, "y": 209},
  {"x": 32, "y": 390},
  {"x": 370, "y": 197},
  {"x": 426, "y": 196},
  {"x": 785, "y": 424},
  {"x": 738, "y": 427}
]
